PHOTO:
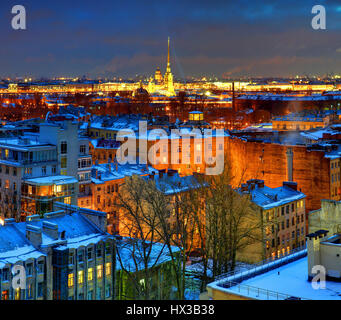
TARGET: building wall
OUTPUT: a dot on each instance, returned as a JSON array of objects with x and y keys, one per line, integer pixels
[
  {"x": 268, "y": 162},
  {"x": 326, "y": 218}
]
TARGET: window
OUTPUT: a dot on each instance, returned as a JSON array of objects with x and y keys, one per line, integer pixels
[
  {"x": 287, "y": 223},
  {"x": 107, "y": 291},
  {"x": 70, "y": 280},
  {"x": 5, "y": 295},
  {"x": 54, "y": 169},
  {"x": 80, "y": 256},
  {"x": 99, "y": 294},
  {"x": 7, "y": 184},
  {"x": 71, "y": 259},
  {"x": 90, "y": 295},
  {"x": 99, "y": 272},
  {"x": 89, "y": 253},
  {"x": 7, "y": 170},
  {"x": 29, "y": 291},
  {"x": 17, "y": 294},
  {"x": 40, "y": 289},
  {"x": 40, "y": 267},
  {"x": 107, "y": 245},
  {"x": 28, "y": 171},
  {"x": 5, "y": 274},
  {"x": 63, "y": 147},
  {"x": 90, "y": 274},
  {"x": 108, "y": 269},
  {"x": 99, "y": 251},
  {"x": 14, "y": 171},
  {"x": 43, "y": 170},
  {"x": 82, "y": 149},
  {"x": 29, "y": 269},
  {"x": 80, "y": 277},
  {"x": 63, "y": 162}
]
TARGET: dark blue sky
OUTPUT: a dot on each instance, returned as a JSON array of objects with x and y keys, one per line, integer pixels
[{"x": 123, "y": 38}]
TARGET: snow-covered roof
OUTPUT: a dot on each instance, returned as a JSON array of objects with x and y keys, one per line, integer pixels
[
  {"x": 290, "y": 280},
  {"x": 133, "y": 256},
  {"x": 268, "y": 198},
  {"x": 106, "y": 172},
  {"x": 52, "y": 180}
]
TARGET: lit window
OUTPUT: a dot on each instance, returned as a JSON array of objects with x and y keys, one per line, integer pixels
[
  {"x": 90, "y": 274},
  {"x": 63, "y": 162},
  {"x": 80, "y": 277},
  {"x": 5, "y": 295},
  {"x": 17, "y": 294},
  {"x": 70, "y": 280},
  {"x": 108, "y": 269},
  {"x": 99, "y": 272}
]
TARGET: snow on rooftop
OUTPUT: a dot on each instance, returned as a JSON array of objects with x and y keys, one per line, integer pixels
[
  {"x": 268, "y": 198},
  {"x": 52, "y": 180},
  {"x": 290, "y": 280}
]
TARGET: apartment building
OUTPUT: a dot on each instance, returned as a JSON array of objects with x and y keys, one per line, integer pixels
[
  {"x": 283, "y": 219},
  {"x": 39, "y": 168},
  {"x": 67, "y": 255}
]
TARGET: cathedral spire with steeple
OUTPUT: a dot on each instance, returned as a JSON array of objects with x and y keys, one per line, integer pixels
[
  {"x": 168, "y": 60},
  {"x": 168, "y": 78}
]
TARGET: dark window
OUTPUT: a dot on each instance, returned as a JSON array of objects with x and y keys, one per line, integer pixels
[{"x": 63, "y": 147}]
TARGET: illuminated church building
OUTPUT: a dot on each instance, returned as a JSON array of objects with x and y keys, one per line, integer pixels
[{"x": 163, "y": 84}]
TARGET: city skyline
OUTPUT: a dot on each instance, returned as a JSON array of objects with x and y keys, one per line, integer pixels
[{"x": 271, "y": 38}]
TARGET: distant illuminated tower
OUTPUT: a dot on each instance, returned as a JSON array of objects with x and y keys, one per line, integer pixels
[
  {"x": 158, "y": 76},
  {"x": 168, "y": 78},
  {"x": 163, "y": 85}
]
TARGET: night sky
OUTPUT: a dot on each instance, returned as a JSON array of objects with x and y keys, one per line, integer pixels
[{"x": 108, "y": 38}]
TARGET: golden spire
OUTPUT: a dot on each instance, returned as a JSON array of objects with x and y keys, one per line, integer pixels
[{"x": 168, "y": 60}]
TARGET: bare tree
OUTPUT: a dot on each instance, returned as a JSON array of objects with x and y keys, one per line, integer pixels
[{"x": 139, "y": 223}]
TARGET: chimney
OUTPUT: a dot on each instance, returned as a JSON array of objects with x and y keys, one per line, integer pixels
[
  {"x": 260, "y": 183},
  {"x": 313, "y": 248},
  {"x": 51, "y": 229},
  {"x": 245, "y": 187},
  {"x": 34, "y": 235},
  {"x": 290, "y": 184},
  {"x": 290, "y": 157},
  {"x": 161, "y": 173},
  {"x": 172, "y": 173}
]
